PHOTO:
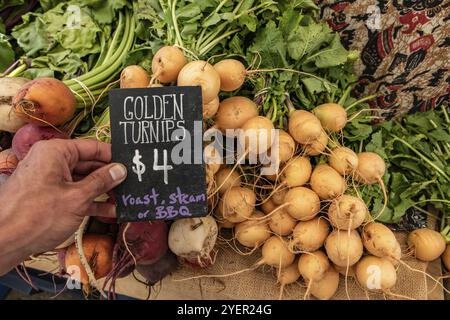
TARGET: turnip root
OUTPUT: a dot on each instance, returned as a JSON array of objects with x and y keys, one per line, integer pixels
[
  {"x": 374, "y": 273},
  {"x": 226, "y": 178},
  {"x": 234, "y": 112},
  {"x": 344, "y": 248},
  {"x": 347, "y": 212},
  {"x": 275, "y": 253},
  {"x": 380, "y": 241},
  {"x": 371, "y": 168},
  {"x": 153, "y": 273},
  {"x": 134, "y": 77},
  {"x": 310, "y": 235},
  {"x": 252, "y": 233},
  {"x": 332, "y": 116},
  {"x": 193, "y": 239},
  {"x": 327, "y": 182},
  {"x": 268, "y": 206},
  {"x": 210, "y": 108},
  {"x": 9, "y": 87},
  {"x": 304, "y": 127},
  {"x": 45, "y": 101},
  {"x": 446, "y": 257},
  {"x": 31, "y": 133},
  {"x": 257, "y": 135},
  {"x": 325, "y": 288},
  {"x": 232, "y": 74},
  {"x": 286, "y": 147},
  {"x": 8, "y": 162},
  {"x": 238, "y": 204},
  {"x": 167, "y": 64},
  {"x": 213, "y": 159},
  {"x": 287, "y": 275},
  {"x": 313, "y": 266},
  {"x": 303, "y": 203},
  {"x": 427, "y": 244},
  {"x": 281, "y": 222},
  {"x": 222, "y": 223},
  {"x": 343, "y": 160},
  {"x": 296, "y": 172},
  {"x": 346, "y": 272},
  {"x": 200, "y": 73},
  {"x": 278, "y": 196},
  {"x": 98, "y": 250},
  {"x": 317, "y": 146}
]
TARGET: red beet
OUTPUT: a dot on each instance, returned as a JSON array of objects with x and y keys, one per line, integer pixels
[
  {"x": 29, "y": 134},
  {"x": 157, "y": 271}
]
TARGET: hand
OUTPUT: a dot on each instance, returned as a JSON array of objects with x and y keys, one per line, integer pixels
[{"x": 51, "y": 191}]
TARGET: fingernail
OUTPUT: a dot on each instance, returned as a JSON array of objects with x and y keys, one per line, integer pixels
[{"x": 118, "y": 172}]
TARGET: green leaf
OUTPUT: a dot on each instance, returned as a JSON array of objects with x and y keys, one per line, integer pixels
[
  {"x": 289, "y": 21},
  {"x": 6, "y": 53},
  {"x": 305, "y": 40},
  {"x": 313, "y": 85},
  {"x": 189, "y": 11},
  {"x": 250, "y": 21},
  {"x": 269, "y": 43},
  {"x": 212, "y": 20},
  {"x": 34, "y": 73},
  {"x": 335, "y": 54}
]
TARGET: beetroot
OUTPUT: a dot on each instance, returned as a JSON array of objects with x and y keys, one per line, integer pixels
[
  {"x": 29, "y": 134},
  {"x": 146, "y": 243},
  {"x": 157, "y": 271}
]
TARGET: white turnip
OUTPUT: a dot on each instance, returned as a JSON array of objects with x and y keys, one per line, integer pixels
[
  {"x": 347, "y": 212},
  {"x": 303, "y": 203},
  {"x": 344, "y": 248}
]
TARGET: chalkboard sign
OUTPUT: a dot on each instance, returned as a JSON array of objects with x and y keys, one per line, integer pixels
[{"x": 157, "y": 134}]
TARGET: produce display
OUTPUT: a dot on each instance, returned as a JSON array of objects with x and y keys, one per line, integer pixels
[{"x": 344, "y": 176}]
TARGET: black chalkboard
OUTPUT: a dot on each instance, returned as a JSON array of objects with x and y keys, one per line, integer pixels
[{"x": 157, "y": 134}]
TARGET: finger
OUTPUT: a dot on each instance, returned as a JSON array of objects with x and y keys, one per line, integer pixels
[
  {"x": 101, "y": 180},
  {"x": 102, "y": 209},
  {"x": 92, "y": 150},
  {"x": 86, "y": 167}
]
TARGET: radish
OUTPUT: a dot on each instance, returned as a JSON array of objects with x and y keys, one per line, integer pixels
[
  {"x": 427, "y": 244},
  {"x": 193, "y": 240},
  {"x": 332, "y": 116},
  {"x": 304, "y": 127},
  {"x": 275, "y": 253},
  {"x": 313, "y": 265},
  {"x": 234, "y": 112},
  {"x": 296, "y": 172},
  {"x": 344, "y": 248},
  {"x": 45, "y": 101},
  {"x": 446, "y": 257},
  {"x": 226, "y": 178},
  {"x": 327, "y": 182},
  {"x": 200, "y": 73},
  {"x": 31, "y": 133},
  {"x": 381, "y": 242},
  {"x": 238, "y": 204},
  {"x": 252, "y": 233},
  {"x": 210, "y": 108},
  {"x": 8, "y": 162},
  {"x": 134, "y": 77},
  {"x": 257, "y": 135},
  {"x": 302, "y": 203},
  {"x": 325, "y": 288},
  {"x": 232, "y": 74},
  {"x": 98, "y": 250},
  {"x": 153, "y": 273},
  {"x": 310, "y": 235},
  {"x": 167, "y": 63},
  {"x": 317, "y": 146},
  {"x": 343, "y": 160},
  {"x": 347, "y": 212},
  {"x": 374, "y": 273},
  {"x": 281, "y": 222},
  {"x": 9, "y": 87}
]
